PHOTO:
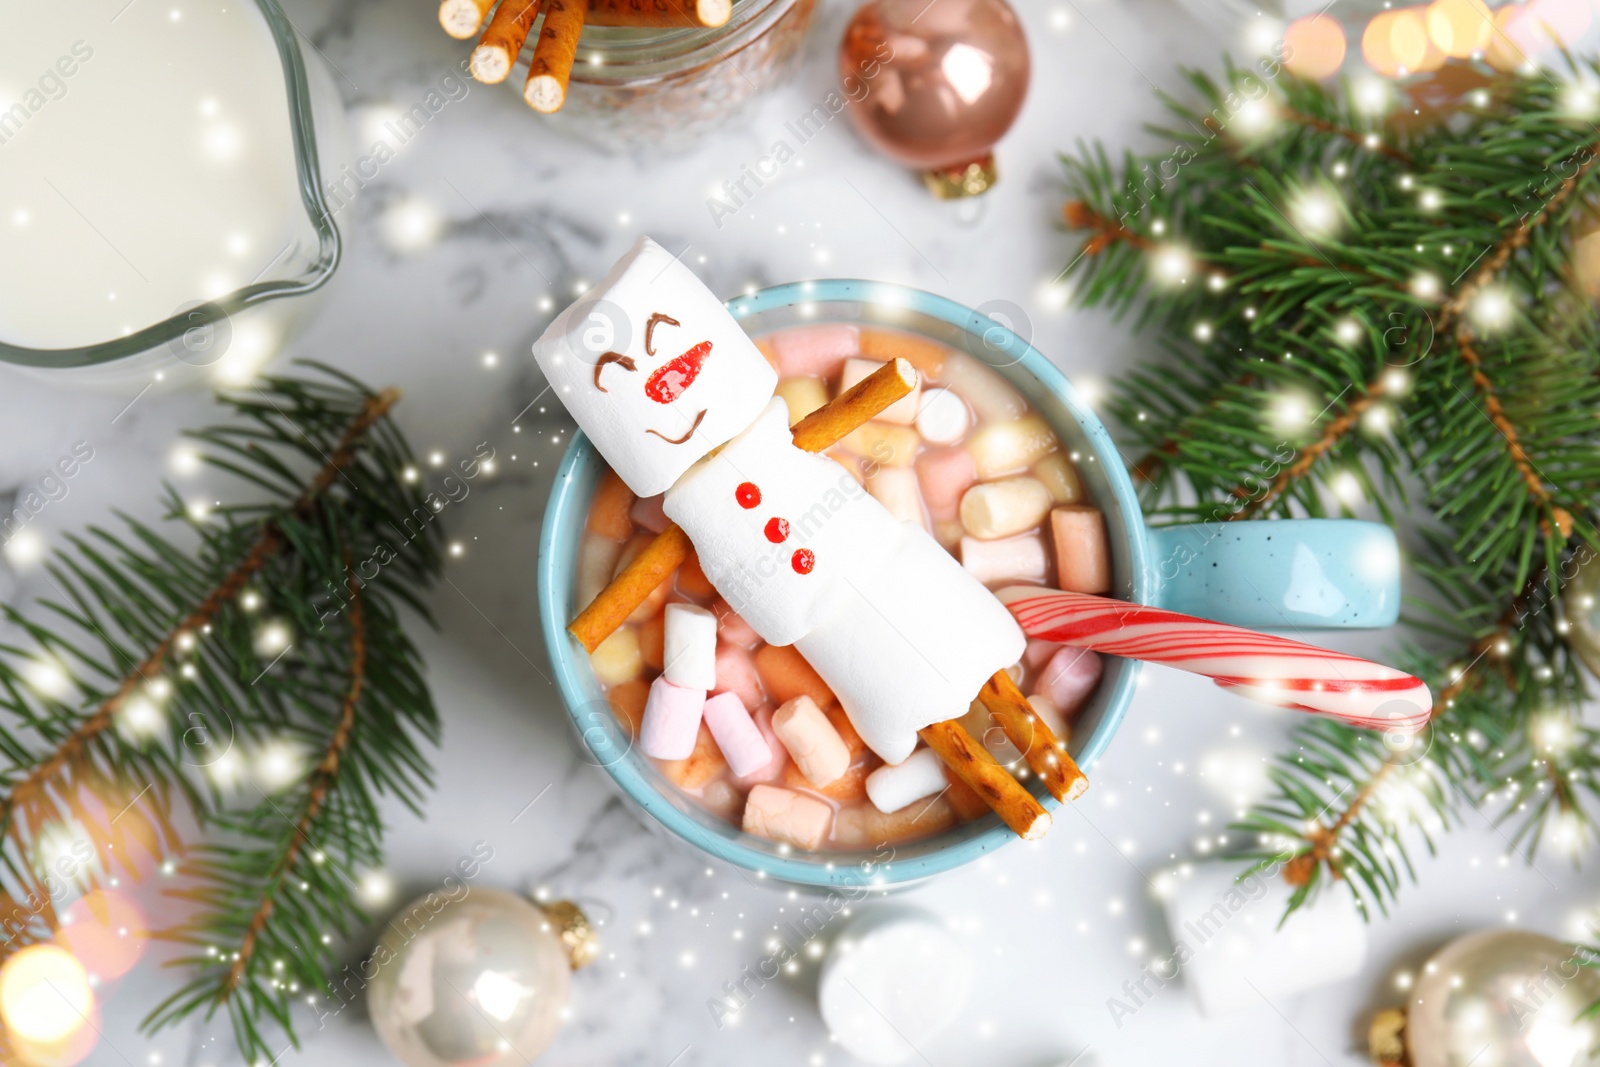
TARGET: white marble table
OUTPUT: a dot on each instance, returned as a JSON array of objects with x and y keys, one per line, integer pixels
[{"x": 461, "y": 247}]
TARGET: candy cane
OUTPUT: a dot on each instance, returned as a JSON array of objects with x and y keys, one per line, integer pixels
[{"x": 1271, "y": 669}]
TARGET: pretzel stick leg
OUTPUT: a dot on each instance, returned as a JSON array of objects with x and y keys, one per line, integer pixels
[
  {"x": 971, "y": 762},
  {"x": 1039, "y": 746},
  {"x": 819, "y": 430}
]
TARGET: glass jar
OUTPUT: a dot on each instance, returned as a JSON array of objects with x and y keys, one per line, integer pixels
[
  {"x": 664, "y": 89},
  {"x": 202, "y": 287}
]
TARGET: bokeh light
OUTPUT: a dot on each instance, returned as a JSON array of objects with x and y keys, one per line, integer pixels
[
  {"x": 1375, "y": 46},
  {"x": 106, "y": 932},
  {"x": 44, "y": 994},
  {"x": 1314, "y": 46},
  {"x": 1460, "y": 27}
]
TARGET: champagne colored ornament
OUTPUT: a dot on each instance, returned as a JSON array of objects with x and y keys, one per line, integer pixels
[
  {"x": 1505, "y": 997},
  {"x": 1581, "y": 608},
  {"x": 934, "y": 86},
  {"x": 482, "y": 980}
]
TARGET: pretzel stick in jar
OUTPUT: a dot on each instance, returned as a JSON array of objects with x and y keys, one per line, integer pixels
[
  {"x": 551, "y": 68},
  {"x": 461, "y": 18},
  {"x": 663, "y": 14},
  {"x": 820, "y": 430},
  {"x": 502, "y": 42}
]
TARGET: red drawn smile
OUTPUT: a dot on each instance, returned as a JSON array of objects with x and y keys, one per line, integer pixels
[{"x": 672, "y": 378}]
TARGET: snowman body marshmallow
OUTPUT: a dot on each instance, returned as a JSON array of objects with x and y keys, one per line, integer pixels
[{"x": 659, "y": 376}]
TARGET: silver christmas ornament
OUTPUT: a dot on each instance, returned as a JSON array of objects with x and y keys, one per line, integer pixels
[
  {"x": 1503, "y": 997},
  {"x": 482, "y": 980}
]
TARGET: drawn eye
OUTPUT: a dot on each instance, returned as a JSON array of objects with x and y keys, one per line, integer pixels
[
  {"x": 625, "y": 362},
  {"x": 650, "y": 330}
]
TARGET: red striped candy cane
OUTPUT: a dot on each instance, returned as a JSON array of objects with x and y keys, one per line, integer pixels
[{"x": 1272, "y": 669}]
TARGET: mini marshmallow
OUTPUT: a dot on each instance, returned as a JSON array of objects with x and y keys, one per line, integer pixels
[
  {"x": 783, "y": 815},
  {"x": 896, "y": 489},
  {"x": 1008, "y": 447},
  {"x": 703, "y": 766},
  {"x": 736, "y": 673},
  {"x": 1083, "y": 560},
  {"x": 1069, "y": 677},
  {"x": 945, "y": 474},
  {"x": 1051, "y": 715},
  {"x": 776, "y": 529},
  {"x": 731, "y": 626},
  {"x": 671, "y": 720},
  {"x": 814, "y": 351},
  {"x": 618, "y": 658},
  {"x": 1038, "y": 653},
  {"x": 992, "y": 510},
  {"x": 696, "y": 380},
  {"x": 902, "y": 411},
  {"x": 737, "y": 734},
  {"x": 689, "y": 647},
  {"x": 895, "y": 978},
  {"x": 1060, "y": 477},
  {"x": 910, "y": 643},
  {"x": 608, "y": 511},
  {"x": 785, "y": 674},
  {"x": 942, "y": 417},
  {"x": 647, "y": 512},
  {"x": 802, "y": 396},
  {"x": 812, "y": 742},
  {"x": 597, "y": 560},
  {"x": 990, "y": 395},
  {"x": 1020, "y": 558},
  {"x": 883, "y": 443},
  {"x": 892, "y": 788},
  {"x": 923, "y": 353},
  {"x": 774, "y": 769},
  {"x": 1238, "y": 948}
]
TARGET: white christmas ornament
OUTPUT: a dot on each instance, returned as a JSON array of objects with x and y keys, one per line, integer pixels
[
  {"x": 893, "y": 981},
  {"x": 1230, "y": 950},
  {"x": 653, "y": 368}
]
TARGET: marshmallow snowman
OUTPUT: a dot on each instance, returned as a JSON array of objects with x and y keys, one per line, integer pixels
[{"x": 660, "y": 376}]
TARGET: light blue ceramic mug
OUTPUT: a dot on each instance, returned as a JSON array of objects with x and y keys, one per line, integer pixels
[{"x": 1287, "y": 574}]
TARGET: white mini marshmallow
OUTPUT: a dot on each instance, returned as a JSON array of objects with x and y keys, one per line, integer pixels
[
  {"x": 942, "y": 416},
  {"x": 689, "y": 646},
  {"x": 757, "y": 502},
  {"x": 896, "y": 488},
  {"x": 891, "y": 788},
  {"x": 671, "y": 394},
  {"x": 1233, "y": 953},
  {"x": 1021, "y": 558},
  {"x": 902, "y": 411},
  {"x": 910, "y": 642}
]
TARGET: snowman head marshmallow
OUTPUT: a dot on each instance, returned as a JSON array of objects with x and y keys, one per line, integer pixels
[{"x": 654, "y": 369}]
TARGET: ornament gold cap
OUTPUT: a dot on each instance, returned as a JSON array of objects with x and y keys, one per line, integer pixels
[
  {"x": 962, "y": 179},
  {"x": 577, "y": 935},
  {"x": 1386, "y": 1038}
]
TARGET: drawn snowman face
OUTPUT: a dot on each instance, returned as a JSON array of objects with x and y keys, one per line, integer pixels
[{"x": 654, "y": 369}]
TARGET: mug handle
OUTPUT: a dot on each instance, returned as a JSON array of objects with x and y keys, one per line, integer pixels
[{"x": 1276, "y": 574}]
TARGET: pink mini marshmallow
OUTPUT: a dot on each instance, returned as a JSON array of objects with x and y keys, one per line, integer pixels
[
  {"x": 813, "y": 743},
  {"x": 814, "y": 351},
  {"x": 946, "y": 474},
  {"x": 731, "y": 626},
  {"x": 1069, "y": 678},
  {"x": 1083, "y": 562},
  {"x": 646, "y": 511},
  {"x": 773, "y": 769},
  {"x": 736, "y": 734},
  {"x": 784, "y": 815},
  {"x": 1038, "y": 653},
  {"x": 736, "y": 673},
  {"x": 671, "y": 720}
]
